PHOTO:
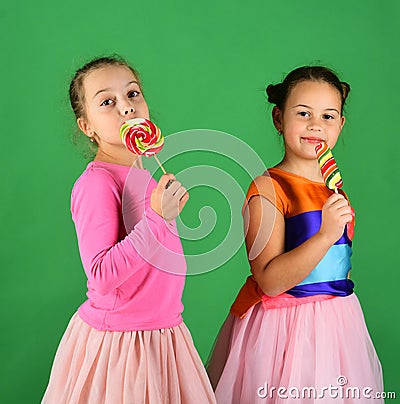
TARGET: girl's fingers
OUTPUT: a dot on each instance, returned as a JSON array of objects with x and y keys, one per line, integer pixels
[
  {"x": 344, "y": 210},
  {"x": 332, "y": 200},
  {"x": 174, "y": 187},
  {"x": 337, "y": 203},
  {"x": 165, "y": 179},
  {"x": 183, "y": 201},
  {"x": 180, "y": 193},
  {"x": 348, "y": 219}
]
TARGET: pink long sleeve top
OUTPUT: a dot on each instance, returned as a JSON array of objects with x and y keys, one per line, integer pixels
[{"x": 132, "y": 258}]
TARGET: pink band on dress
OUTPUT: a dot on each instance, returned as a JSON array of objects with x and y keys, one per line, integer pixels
[{"x": 286, "y": 300}]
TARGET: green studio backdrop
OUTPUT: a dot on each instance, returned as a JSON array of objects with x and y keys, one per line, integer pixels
[{"x": 204, "y": 65}]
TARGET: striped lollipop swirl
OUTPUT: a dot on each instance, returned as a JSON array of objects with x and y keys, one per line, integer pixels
[
  {"x": 329, "y": 169},
  {"x": 142, "y": 137}
]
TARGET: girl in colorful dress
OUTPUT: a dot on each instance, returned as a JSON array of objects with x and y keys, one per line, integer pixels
[{"x": 296, "y": 331}]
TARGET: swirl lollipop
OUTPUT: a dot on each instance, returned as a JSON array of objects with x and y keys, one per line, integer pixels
[
  {"x": 142, "y": 137},
  {"x": 329, "y": 169}
]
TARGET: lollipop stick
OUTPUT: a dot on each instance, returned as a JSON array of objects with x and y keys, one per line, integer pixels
[{"x": 158, "y": 161}]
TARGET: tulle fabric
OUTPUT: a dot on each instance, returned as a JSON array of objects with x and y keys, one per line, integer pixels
[
  {"x": 314, "y": 345},
  {"x": 138, "y": 367}
]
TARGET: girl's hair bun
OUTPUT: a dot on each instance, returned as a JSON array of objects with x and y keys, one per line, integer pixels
[
  {"x": 274, "y": 92},
  {"x": 278, "y": 93}
]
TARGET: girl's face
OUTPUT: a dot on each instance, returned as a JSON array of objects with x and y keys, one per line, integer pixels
[
  {"x": 112, "y": 96},
  {"x": 312, "y": 115}
]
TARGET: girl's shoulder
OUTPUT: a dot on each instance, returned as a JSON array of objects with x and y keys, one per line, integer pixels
[
  {"x": 290, "y": 193},
  {"x": 269, "y": 187},
  {"x": 277, "y": 183},
  {"x": 96, "y": 176},
  {"x": 108, "y": 181}
]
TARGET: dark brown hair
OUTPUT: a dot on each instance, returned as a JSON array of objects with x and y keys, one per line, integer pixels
[{"x": 278, "y": 93}]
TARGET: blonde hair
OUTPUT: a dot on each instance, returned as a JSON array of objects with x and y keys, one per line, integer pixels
[{"x": 77, "y": 95}]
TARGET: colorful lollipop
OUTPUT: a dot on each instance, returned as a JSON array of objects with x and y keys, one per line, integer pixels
[
  {"x": 329, "y": 169},
  {"x": 142, "y": 137}
]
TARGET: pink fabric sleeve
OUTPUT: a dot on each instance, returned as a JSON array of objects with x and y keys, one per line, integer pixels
[{"x": 96, "y": 211}]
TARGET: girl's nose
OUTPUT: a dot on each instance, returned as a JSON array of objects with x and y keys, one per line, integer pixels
[
  {"x": 127, "y": 111},
  {"x": 315, "y": 128},
  {"x": 314, "y": 125}
]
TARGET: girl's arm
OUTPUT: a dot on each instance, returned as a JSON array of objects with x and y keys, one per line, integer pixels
[
  {"x": 96, "y": 210},
  {"x": 275, "y": 270}
]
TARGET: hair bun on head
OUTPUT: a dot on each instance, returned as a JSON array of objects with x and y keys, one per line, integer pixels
[
  {"x": 278, "y": 93},
  {"x": 274, "y": 93},
  {"x": 346, "y": 89}
]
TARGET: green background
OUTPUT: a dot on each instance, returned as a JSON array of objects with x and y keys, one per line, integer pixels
[{"x": 203, "y": 65}]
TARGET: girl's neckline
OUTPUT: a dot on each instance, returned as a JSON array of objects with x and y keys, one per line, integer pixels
[
  {"x": 123, "y": 166},
  {"x": 300, "y": 177}
]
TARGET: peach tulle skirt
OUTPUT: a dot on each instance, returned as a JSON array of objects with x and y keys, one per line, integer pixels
[
  {"x": 317, "y": 352},
  {"x": 137, "y": 367}
]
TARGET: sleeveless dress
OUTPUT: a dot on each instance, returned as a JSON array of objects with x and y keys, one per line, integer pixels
[{"x": 309, "y": 344}]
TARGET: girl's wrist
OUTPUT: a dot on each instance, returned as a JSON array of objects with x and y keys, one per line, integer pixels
[{"x": 323, "y": 240}]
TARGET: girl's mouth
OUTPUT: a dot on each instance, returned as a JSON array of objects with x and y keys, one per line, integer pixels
[{"x": 313, "y": 140}]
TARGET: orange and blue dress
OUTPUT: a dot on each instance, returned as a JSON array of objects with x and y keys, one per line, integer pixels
[{"x": 307, "y": 339}]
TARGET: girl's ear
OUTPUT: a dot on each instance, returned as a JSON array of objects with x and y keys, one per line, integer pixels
[
  {"x": 342, "y": 122},
  {"x": 277, "y": 119},
  {"x": 84, "y": 127}
]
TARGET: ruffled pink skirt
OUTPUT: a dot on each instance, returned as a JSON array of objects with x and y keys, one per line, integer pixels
[
  {"x": 314, "y": 352},
  {"x": 96, "y": 367}
]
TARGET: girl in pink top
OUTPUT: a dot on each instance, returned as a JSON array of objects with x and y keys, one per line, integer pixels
[{"x": 127, "y": 342}]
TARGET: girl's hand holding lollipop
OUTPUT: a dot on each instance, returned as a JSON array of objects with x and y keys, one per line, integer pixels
[{"x": 143, "y": 137}]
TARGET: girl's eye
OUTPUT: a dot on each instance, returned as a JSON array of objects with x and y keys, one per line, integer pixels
[
  {"x": 328, "y": 116},
  {"x": 107, "y": 102},
  {"x": 133, "y": 93},
  {"x": 304, "y": 113}
]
